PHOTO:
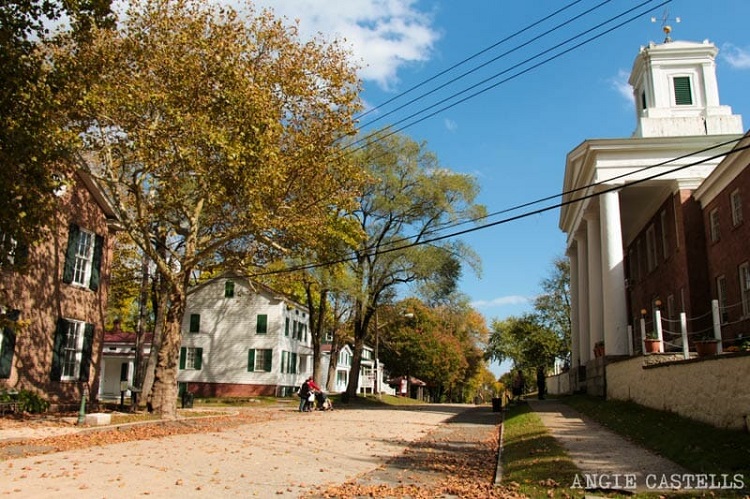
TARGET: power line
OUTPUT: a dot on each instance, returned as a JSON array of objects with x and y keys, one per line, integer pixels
[
  {"x": 515, "y": 75},
  {"x": 528, "y": 213},
  {"x": 474, "y": 56}
]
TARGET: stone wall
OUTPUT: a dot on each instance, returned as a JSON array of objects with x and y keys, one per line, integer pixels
[
  {"x": 715, "y": 390},
  {"x": 559, "y": 384}
]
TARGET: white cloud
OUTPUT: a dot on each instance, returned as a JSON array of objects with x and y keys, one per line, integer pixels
[
  {"x": 384, "y": 35},
  {"x": 502, "y": 301},
  {"x": 738, "y": 58},
  {"x": 450, "y": 125},
  {"x": 621, "y": 85}
]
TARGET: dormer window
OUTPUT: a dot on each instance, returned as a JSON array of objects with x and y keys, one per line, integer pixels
[{"x": 683, "y": 94}]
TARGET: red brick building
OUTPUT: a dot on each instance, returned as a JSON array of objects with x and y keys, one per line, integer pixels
[{"x": 60, "y": 299}]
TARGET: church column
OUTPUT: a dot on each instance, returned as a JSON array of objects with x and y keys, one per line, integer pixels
[
  {"x": 596, "y": 321},
  {"x": 575, "y": 330},
  {"x": 613, "y": 276},
  {"x": 584, "y": 347}
]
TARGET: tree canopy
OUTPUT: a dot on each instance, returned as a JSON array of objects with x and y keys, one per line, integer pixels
[
  {"x": 37, "y": 147},
  {"x": 407, "y": 201},
  {"x": 213, "y": 135}
]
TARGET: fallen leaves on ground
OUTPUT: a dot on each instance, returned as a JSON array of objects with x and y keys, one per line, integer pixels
[{"x": 117, "y": 434}]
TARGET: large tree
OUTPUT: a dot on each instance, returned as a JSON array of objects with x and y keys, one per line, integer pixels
[
  {"x": 213, "y": 136},
  {"x": 408, "y": 201},
  {"x": 552, "y": 306},
  {"x": 37, "y": 147}
]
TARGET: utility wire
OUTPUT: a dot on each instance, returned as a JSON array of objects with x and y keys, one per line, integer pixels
[
  {"x": 519, "y": 216},
  {"x": 513, "y": 76},
  {"x": 474, "y": 56}
]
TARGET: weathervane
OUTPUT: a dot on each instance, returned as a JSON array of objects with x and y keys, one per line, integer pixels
[{"x": 664, "y": 26}]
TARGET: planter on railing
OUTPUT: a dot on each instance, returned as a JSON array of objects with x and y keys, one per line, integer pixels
[
  {"x": 652, "y": 345},
  {"x": 706, "y": 348}
]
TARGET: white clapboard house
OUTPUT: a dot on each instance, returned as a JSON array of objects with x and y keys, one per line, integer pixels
[{"x": 241, "y": 338}]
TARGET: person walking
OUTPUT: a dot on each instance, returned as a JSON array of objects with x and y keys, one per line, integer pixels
[
  {"x": 304, "y": 393},
  {"x": 541, "y": 382}
]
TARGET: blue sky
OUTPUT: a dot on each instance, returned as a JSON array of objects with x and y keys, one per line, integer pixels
[{"x": 514, "y": 138}]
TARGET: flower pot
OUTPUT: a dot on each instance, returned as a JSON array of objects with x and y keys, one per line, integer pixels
[
  {"x": 652, "y": 345},
  {"x": 706, "y": 348}
]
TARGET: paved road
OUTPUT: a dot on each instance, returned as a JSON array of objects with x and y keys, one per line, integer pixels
[{"x": 290, "y": 455}]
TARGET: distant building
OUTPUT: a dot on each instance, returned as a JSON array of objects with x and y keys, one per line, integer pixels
[{"x": 241, "y": 338}]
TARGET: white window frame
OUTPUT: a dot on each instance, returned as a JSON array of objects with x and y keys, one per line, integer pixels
[
  {"x": 84, "y": 259},
  {"x": 652, "y": 259},
  {"x": 735, "y": 200},
  {"x": 664, "y": 243},
  {"x": 744, "y": 278},
  {"x": 721, "y": 297},
  {"x": 713, "y": 225},
  {"x": 72, "y": 350},
  {"x": 260, "y": 359},
  {"x": 190, "y": 358}
]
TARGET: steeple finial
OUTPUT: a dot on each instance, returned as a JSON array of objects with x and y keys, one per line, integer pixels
[{"x": 664, "y": 26}]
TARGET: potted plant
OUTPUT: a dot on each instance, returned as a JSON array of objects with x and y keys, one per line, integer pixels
[
  {"x": 652, "y": 343},
  {"x": 706, "y": 346}
]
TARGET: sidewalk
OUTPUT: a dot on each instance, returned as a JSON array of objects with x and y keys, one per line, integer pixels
[{"x": 603, "y": 456}]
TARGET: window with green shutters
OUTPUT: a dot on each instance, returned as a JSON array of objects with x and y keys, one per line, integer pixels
[
  {"x": 286, "y": 326},
  {"x": 229, "y": 289},
  {"x": 191, "y": 358},
  {"x": 261, "y": 324},
  {"x": 259, "y": 360},
  {"x": 71, "y": 354},
  {"x": 195, "y": 323},
  {"x": 683, "y": 95},
  {"x": 83, "y": 258}
]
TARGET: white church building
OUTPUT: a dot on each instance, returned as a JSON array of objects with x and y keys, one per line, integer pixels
[{"x": 627, "y": 202}]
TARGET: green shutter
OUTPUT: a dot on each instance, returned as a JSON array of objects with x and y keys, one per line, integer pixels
[
  {"x": 195, "y": 323},
  {"x": 251, "y": 360},
  {"x": 261, "y": 324},
  {"x": 96, "y": 264},
  {"x": 198, "y": 359},
  {"x": 268, "y": 361},
  {"x": 282, "y": 367},
  {"x": 183, "y": 354},
  {"x": 229, "y": 289},
  {"x": 286, "y": 326},
  {"x": 57, "y": 349},
  {"x": 6, "y": 351},
  {"x": 683, "y": 95},
  {"x": 88, "y": 343},
  {"x": 70, "y": 253}
]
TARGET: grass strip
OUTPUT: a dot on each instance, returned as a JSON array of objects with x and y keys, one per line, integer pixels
[{"x": 533, "y": 459}]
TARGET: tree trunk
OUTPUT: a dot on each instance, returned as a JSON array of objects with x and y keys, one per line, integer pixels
[
  {"x": 159, "y": 302},
  {"x": 164, "y": 391}
]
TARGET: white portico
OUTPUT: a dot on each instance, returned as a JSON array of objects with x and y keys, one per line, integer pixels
[{"x": 612, "y": 187}]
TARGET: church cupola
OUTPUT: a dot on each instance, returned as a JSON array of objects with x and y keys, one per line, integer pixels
[{"x": 676, "y": 92}]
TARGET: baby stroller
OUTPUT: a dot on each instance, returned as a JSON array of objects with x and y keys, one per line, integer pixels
[{"x": 322, "y": 403}]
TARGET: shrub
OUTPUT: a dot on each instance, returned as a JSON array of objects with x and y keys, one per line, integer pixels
[{"x": 29, "y": 401}]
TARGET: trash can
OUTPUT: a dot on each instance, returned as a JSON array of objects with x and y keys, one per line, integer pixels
[
  {"x": 187, "y": 400},
  {"x": 497, "y": 404}
]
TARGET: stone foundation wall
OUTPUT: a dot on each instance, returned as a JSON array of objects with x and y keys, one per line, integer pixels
[
  {"x": 715, "y": 390},
  {"x": 559, "y": 384}
]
